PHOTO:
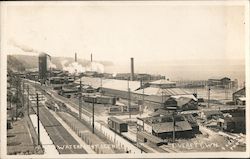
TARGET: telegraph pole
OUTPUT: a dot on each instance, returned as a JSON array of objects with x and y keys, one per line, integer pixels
[
  {"x": 80, "y": 105},
  {"x": 17, "y": 101},
  {"x": 208, "y": 100},
  {"x": 28, "y": 102},
  {"x": 23, "y": 94},
  {"x": 38, "y": 118},
  {"x": 93, "y": 115},
  {"x": 142, "y": 101},
  {"x": 80, "y": 100},
  {"x": 173, "y": 127},
  {"x": 129, "y": 101},
  {"x": 101, "y": 86}
]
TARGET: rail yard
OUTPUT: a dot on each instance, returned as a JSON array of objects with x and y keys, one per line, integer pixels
[{"x": 92, "y": 113}]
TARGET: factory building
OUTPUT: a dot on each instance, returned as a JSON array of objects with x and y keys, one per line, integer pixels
[
  {"x": 239, "y": 97},
  {"x": 163, "y": 126},
  {"x": 220, "y": 83},
  {"x": 154, "y": 97},
  {"x": 138, "y": 77},
  {"x": 163, "y": 83},
  {"x": 43, "y": 67}
]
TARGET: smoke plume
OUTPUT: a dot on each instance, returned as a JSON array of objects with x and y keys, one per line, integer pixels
[
  {"x": 96, "y": 67},
  {"x": 23, "y": 47},
  {"x": 76, "y": 68}
]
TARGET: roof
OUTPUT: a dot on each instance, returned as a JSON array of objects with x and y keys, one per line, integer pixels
[
  {"x": 116, "y": 120},
  {"x": 150, "y": 137},
  {"x": 235, "y": 119},
  {"x": 166, "y": 91},
  {"x": 94, "y": 82},
  {"x": 121, "y": 85},
  {"x": 157, "y": 99},
  {"x": 213, "y": 112},
  {"x": 162, "y": 81},
  {"x": 242, "y": 98},
  {"x": 168, "y": 126},
  {"x": 110, "y": 83},
  {"x": 240, "y": 90},
  {"x": 160, "y": 112},
  {"x": 161, "y": 119},
  {"x": 187, "y": 96}
]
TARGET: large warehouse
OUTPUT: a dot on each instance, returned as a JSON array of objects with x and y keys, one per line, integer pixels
[{"x": 153, "y": 96}]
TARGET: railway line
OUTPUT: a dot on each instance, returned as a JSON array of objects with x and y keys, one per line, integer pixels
[
  {"x": 144, "y": 147},
  {"x": 60, "y": 137}
]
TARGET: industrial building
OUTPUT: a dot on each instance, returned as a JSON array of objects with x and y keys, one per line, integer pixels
[
  {"x": 43, "y": 67},
  {"x": 164, "y": 126},
  {"x": 239, "y": 97},
  {"x": 163, "y": 83},
  {"x": 220, "y": 83},
  {"x": 153, "y": 96}
]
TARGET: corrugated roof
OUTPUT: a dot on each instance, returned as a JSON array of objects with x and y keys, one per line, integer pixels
[
  {"x": 162, "y": 81},
  {"x": 110, "y": 83},
  {"x": 213, "y": 112},
  {"x": 166, "y": 91},
  {"x": 150, "y": 137},
  {"x": 168, "y": 127},
  {"x": 116, "y": 120},
  {"x": 189, "y": 96},
  {"x": 157, "y": 99},
  {"x": 121, "y": 84},
  {"x": 182, "y": 101}
]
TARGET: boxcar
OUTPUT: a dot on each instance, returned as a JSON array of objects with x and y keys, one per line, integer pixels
[{"x": 117, "y": 125}]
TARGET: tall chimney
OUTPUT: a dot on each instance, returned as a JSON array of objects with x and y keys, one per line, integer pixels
[
  {"x": 91, "y": 58},
  {"x": 132, "y": 69},
  {"x": 75, "y": 57}
]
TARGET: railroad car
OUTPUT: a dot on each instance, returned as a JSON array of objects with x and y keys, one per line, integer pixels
[
  {"x": 100, "y": 100},
  {"x": 117, "y": 125}
]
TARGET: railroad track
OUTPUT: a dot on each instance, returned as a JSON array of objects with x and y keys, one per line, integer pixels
[
  {"x": 168, "y": 149},
  {"x": 60, "y": 137}
]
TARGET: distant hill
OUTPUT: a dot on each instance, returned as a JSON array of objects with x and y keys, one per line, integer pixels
[
  {"x": 22, "y": 62},
  {"x": 13, "y": 64}
]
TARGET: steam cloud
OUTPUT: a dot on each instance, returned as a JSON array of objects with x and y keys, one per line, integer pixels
[
  {"x": 51, "y": 65},
  {"x": 77, "y": 68}
]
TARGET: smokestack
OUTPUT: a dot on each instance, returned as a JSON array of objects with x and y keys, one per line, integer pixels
[
  {"x": 132, "y": 69},
  {"x": 75, "y": 57},
  {"x": 91, "y": 58}
]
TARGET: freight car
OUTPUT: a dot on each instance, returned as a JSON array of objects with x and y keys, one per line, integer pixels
[
  {"x": 100, "y": 99},
  {"x": 106, "y": 100},
  {"x": 117, "y": 125}
]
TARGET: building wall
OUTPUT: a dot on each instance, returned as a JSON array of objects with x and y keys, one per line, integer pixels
[
  {"x": 43, "y": 66},
  {"x": 239, "y": 93}
]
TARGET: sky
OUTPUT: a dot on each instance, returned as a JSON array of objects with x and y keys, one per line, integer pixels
[{"x": 151, "y": 33}]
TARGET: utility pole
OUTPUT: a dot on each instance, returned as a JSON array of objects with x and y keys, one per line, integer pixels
[
  {"x": 93, "y": 115},
  {"x": 80, "y": 105},
  {"x": 142, "y": 101},
  {"x": 11, "y": 93},
  {"x": 11, "y": 99},
  {"x": 80, "y": 99},
  {"x": 28, "y": 102},
  {"x": 38, "y": 118},
  {"x": 101, "y": 87},
  {"x": 17, "y": 99},
  {"x": 23, "y": 94},
  {"x": 173, "y": 127},
  {"x": 208, "y": 100},
  {"x": 129, "y": 101}
]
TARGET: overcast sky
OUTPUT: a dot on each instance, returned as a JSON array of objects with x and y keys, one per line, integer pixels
[
  {"x": 118, "y": 32},
  {"x": 179, "y": 41}
]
